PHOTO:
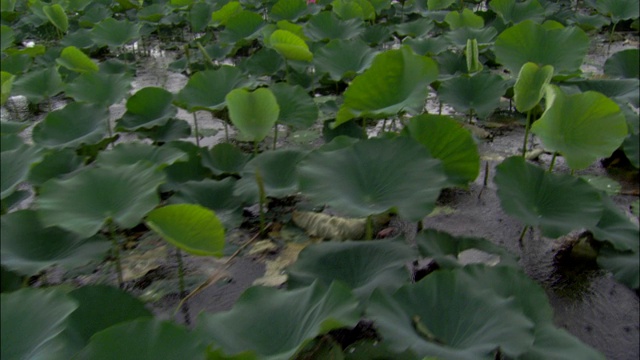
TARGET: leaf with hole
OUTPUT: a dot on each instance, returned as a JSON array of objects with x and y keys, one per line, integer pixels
[
  {"x": 374, "y": 176},
  {"x": 84, "y": 202},
  {"x": 192, "y": 228},
  {"x": 556, "y": 203},
  {"x": 582, "y": 127}
]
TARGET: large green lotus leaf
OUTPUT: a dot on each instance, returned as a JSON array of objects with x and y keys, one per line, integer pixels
[
  {"x": 142, "y": 339},
  {"x": 38, "y": 85},
  {"x": 466, "y": 18},
  {"x": 55, "y": 163},
  {"x": 326, "y": 26},
  {"x": 416, "y": 29},
  {"x": 206, "y": 90},
  {"x": 343, "y": 58},
  {"x": 9, "y": 281},
  {"x": 7, "y": 84},
  {"x": 264, "y": 62},
  {"x": 514, "y": 12},
  {"x": 555, "y": 343},
  {"x": 277, "y": 169},
  {"x": 562, "y": 48},
  {"x": 115, "y": 33},
  {"x": 149, "y": 107},
  {"x": 448, "y": 141},
  {"x": 174, "y": 129},
  {"x": 73, "y": 125},
  {"x": 99, "y": 88},
  {"x": 631, "y": 148},
  {"x": 56, "y": 15},
  {"x": 215, "y": 195},
  {"x": 28, "y": 247},
  {"x": 275, "y": 323},
  {"x": 183, "y": 171},
  {"x": 618, "y": 10},
  {"x": 557, "y": 203},
  {"x": 222, "y": 15},
  {"x": 434, "y": 5},
  {"x": 131, "y": 153},
  {"x": 12, "y": 127},
  {"x": 446, "y": 316},
  {"x": 357, "y": 9},
  {"x": 224, "y": 158},
  {"x": 7, "y": 37},
  {"x": 442, "y": 247},
  {"x": 623, "y": 64},
  {"x": 362, "y": 266},
  {"x": 192, "y": 228},
  {"x": 621, "y": 90},
  {"x": 530, "y": 85},
  {"x": 253, "y": 113},
  {"x": 31, "y": 320},
  {"x": 152, "y": 13},
  {"x": 85, "y": 201},
  {"x": 397, "y": 81},
  {"x": 374, "y": 176},
  {"x": 427, "y": 46},
  {"x": 625, "y": 266},
  {"x": 479, "y": 93},
  {"x": 74, "y": 59},
  {"x": 297, "y": 108},
  {"x": 243, "y": 25},
  {"x": 290, "y": 45},
  {"x": 200, "y": 16},
  {"x": 459, "y": 37},
  {"x": 582, "y": 127},
  {"x": 15, "y": 165},
  {"x": 96, "y": 311},
  {"x": 288, "y": 10},
  {"x": 616, "y": 228}
]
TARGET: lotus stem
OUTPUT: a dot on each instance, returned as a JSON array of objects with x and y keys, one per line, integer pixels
[
  {"x": 521, "y": 238},
  {"x": 195, "y": 124},
  {"x": 205, "y": 54},
  {"x": 526, "y": 133},
  {"x": 109, "y": 126},
  {"x": 613, "y": 29},
  {"x": 187, "y": 54},
  {"x": 368, "y": 229},
  {"x": 183, "y": 292},
  {"x": 262, "y": 200},
  {"x": 553, "y": 161},
  {"x": 116, "y": 252},
  {"x": 275, "y": 135}
]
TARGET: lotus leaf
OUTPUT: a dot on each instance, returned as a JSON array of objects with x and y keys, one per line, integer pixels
[
  {"x": 206, "y": 90},
  {"x": 343, "y": 58},
  {"x": 149, "y": 107},
  {"x": 15, "y": 165},
  {"x": 275, "y": 324},
  {"x": 253, "y": 113},
  {"x": 6, "y": 79},
  {"x": 192, "y": 228},
  {"x": 326, "y": 26},
  {"x": 582, "y": 127},
  {"x": 621, "y": 90},
  {"x": 131, "y": 153},
  {"x": 174, "y": 129},
  {"x": 531, "y": 84},
  {"x": 434, "y": 5},
  {"x": 99, "y": 88},
  {"x": 288, "y": 10},
  {"x": 56, "y": 15},
  {"x": 465, "y": 18},
  {"x": 7, "y": 38},
  {"x": 514, "y": 12},
  {"x": 625, "y": 266},
  {"x": 460, "y": 36},
  {"x": 618, "y": 10},
  {"x": 227, "y": 11},
  {"x": 623, "y": 64},
  {"x": 441, "y": 246},
  {"x": 290, "y": 45},
  {"x": 449, "y": 142},
  {"x": 38, "y": 85},
  {"x": 215, "y": 195},
  {"x": 416, "y": 29},
  {"x": 397, "y": 81},
  {"x": 263, "y": 62},
  {"x": 446, "y": 316},
  {"x": 557, "y": 203},
  {"x": 28, "y": 247},
  {"x": 278, "y": 172},
  {"x": 555, "y": 343},
  {"x": 115, "y": 33},
  {"x": 377, "y": 34},
  {"x": 374, "y": 176},
  {"x": 546, "y": 44},
  {"x": 224, "y": 158},
  {"x": 243, "y": 25},
  {"x": 32, "y": 320},
  {"x": 631, "y": 147},
  {"x": 363, "y": 266},
  {"x": 293, "y": 28},
  {"x": 144, "y": 339},
  {"x": 356, "y": 9},
  {"x": 427, "y": 46},
  {"x": 200, "y": 16},
  {"x": 74, "y": 59},
  {"x": 74, "y": 125},
  {"x": 616, "y": 228},
  {"x": 297, "y": 108},
  {"x": 93, "y": 196},
  {"x": 479, "y": 93},
  {"x": 55, "y": 163}
]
